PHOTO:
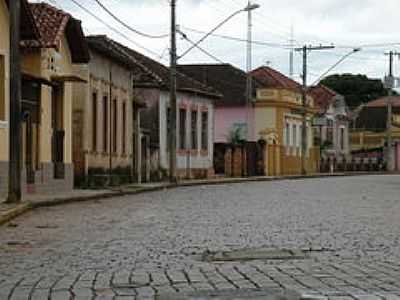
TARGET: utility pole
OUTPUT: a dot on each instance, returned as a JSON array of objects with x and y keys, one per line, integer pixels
[
  {"x": 304, "y": 143},
  {"x": 110, "y": 136},
  {"x": 173, "y": 104},
  {"x": 249, "y": 66},
  {"x": 389, "y": 136},
  {"x": 14, "y": 171}
]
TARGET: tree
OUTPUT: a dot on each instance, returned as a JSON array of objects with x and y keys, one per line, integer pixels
[{"x": 357, "y": 89}]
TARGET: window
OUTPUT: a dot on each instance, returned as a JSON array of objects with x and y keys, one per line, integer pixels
[
  {"x": 115, "y": 124},
  {"x": 342, "y": 138},
  {"x": 2, "y": 89},
  {"x": 182, "y": 128},
  {"x": 194, "y": 130},
  {"x": 329, "y": 131},
  {"x": 294, "y": 130},
  {"x": 204, "y": 130},
  {"x": 168, "y": 126},
  {"x": 94, "y": 121},
  {"x": 105, "y": 124},
  {"x": 124, "y": 128},
  {"x": 287, "y": 137}
]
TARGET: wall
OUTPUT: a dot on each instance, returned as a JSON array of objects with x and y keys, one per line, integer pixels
[
  {"x": 225, "y": 119},
  {"x": 186, "y": 159},
  {"x": 99, "y": 82},
  {"x": 4, "y": 138}
]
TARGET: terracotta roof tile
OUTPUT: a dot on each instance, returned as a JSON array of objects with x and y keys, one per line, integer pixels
[
  {"x": 382, "y": 102},
  {"x": 271, "y": 78},
  {"x": 323, "y": 97},
  {"x": 51, "y": 23}
]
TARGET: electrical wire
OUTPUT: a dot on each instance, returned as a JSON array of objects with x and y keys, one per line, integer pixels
[
  {"x": 113, "y": 29},
  {"x": 184, "y": 36},
  {"x": 127, "y": 26},
  {"x": 237, "y": 39}
]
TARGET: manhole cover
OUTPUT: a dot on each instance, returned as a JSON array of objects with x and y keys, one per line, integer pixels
[
  {"x": 233, "y": 295},
  {"x": 254, "y": 254}
]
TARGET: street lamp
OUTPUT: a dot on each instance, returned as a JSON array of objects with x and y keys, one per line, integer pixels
[{"x": 249, "y": 8}]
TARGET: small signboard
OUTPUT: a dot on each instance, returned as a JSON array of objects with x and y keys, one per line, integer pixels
[
  {"x": 320, "y": 121},
  {"x": 3, "y": 125}
]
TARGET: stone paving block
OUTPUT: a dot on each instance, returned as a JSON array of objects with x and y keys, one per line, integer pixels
[
  {"x": 47, "y": 282},
  {"x": 64, "y": 283},
  {"x": 82, "y": 293},
  {"x": 22, "y": 293},
  {"x": 176, "y": 276},
  {"x": 103, "y": 280},
  {"x": 367, "y": 297},
  {"x": 202, "y": 286},
  {"x": 159, "y": 278},
  {"x": 121, "y": 277},
  {"x": 61, "y": 295},
  {"x": 194, "y": 275},
  {"x": 183, "y": 287},
  {"x": 145, "y": 291},
  {"x": 140, "y": 278}
]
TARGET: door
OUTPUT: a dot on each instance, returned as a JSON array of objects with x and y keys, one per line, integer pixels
[
  {"x": 30, "y": 117},
  {"x": 57, "y": 120}
]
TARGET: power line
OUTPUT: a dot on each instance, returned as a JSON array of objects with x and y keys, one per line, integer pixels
[
  {"x": 127, "y": 26},
  {"x": 113, "y": 29},
  {"x": 237, "y": 39},
  {"x": 184, "y": 36}
]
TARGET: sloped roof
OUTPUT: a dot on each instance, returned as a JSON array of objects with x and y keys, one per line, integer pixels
[
  {"x": 270, "y": 78},
  {"x": 382, "y": 102},
  {"x": 53, "y": 23},
  {"x": 109, "y": 48},
  {"x": 29, "y": 32},
  {"x": 323, "y": 97},
  {"x": 225, "y": 78},
  {"x": 373, "y": 115},
  {"x": 162, "y": 73}
]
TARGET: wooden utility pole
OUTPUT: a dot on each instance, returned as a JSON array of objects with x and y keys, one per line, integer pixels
[
  {"x": 110, "y": 113},
  {"x": 173, "y": 102},
  {"x": 14, "y": 171},
  {"x": 389, "y": 136},
  {"x": 304, "y": 143}
]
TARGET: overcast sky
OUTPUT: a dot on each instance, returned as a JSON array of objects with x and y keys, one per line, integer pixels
[{"x": 344, "y": 23}]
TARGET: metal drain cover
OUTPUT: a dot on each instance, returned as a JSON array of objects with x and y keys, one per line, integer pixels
[{"x": 254, "y": 254}]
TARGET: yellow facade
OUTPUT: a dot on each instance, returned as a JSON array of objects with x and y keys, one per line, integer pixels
[
  {"x": 278, "y": 121},
  {"x": 4, "y": 81}
]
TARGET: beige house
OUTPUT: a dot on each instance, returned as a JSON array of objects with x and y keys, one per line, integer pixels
[
  {"x": 49, "y": 65},
  {"x": 4, "y": 95},
  {"x": 106, "y": 115}
]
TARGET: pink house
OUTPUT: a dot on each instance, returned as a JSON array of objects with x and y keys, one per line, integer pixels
[{"x": 233, "y": 115}]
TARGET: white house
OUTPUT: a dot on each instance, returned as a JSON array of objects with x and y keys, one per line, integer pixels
[{"x": 194, "y": 126}]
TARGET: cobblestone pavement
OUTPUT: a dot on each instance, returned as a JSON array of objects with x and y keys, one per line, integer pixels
[{"x": 145, "y": 245}]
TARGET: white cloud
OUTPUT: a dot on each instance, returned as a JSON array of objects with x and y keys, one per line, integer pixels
[{"x": 342, "y": 22}]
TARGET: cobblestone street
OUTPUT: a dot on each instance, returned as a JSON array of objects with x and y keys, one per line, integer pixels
[{"x": 150, "y": 244}]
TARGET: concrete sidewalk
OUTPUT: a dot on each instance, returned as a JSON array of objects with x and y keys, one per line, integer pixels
[{"x": 11, "y": 211}]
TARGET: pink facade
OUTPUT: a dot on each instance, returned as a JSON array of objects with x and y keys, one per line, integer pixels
[{"x": 227, "y": 118}]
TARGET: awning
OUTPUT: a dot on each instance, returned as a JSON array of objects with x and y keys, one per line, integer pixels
[
  {"x": 36, "y": 78},
  {"x": 68, "y": 78}
]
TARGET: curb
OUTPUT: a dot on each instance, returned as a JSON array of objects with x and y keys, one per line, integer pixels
[
  {"x": 15, "y": 212},
  {"x": 28, "y": 206}
]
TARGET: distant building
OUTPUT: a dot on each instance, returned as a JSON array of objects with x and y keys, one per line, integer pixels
[
  {"x": 106, "y": 113},
  {"x": 368, "y": 138},
  {"x": 194, "y": 126},
  {"x": 234, "y": 117},
  {"x": 278, "y": 121},
  {"x": 331, "y": 123}
]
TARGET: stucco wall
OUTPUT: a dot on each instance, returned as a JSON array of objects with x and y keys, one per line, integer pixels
[
  {"x": 226, "y": 118},
  {"x": 98, "y": 76},
  {"x": 4, "y": 51},
  {"x": 186, "y": 159}
]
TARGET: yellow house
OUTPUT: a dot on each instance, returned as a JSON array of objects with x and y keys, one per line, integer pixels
[
  {"x": 49, "y": 71},
  {"x": 278, "y": 121},
  {"x": 106, "y": 115},
  {"x": 4, "y": 95},
  {"x": 29, "y": 35}
]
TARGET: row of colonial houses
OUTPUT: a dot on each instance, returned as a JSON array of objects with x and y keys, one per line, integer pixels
[{"x": 92, "y": 107}]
